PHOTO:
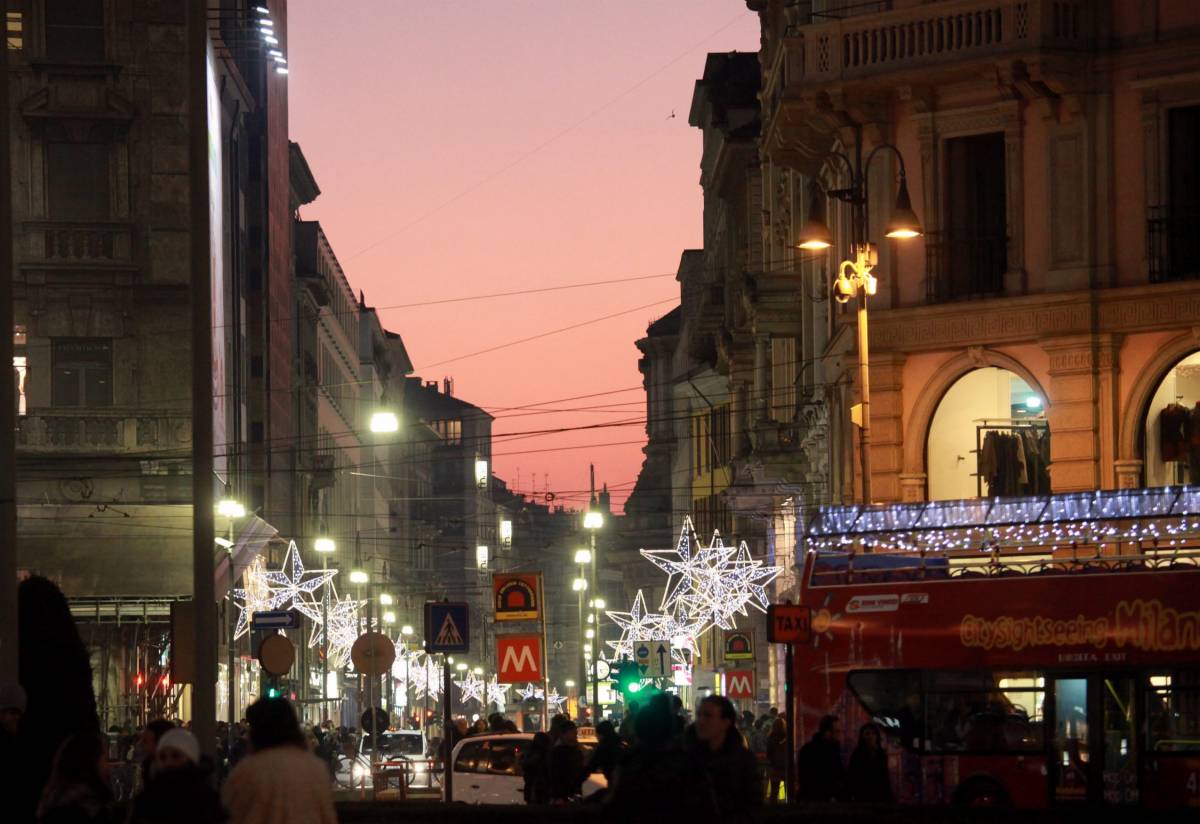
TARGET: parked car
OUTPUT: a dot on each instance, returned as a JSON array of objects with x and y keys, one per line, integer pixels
[
  {"x": 487, "y": 768},
  {"x": 394, "y": 745}
]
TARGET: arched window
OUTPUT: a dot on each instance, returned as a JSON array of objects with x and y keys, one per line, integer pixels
[
  {"x": 988, "y": 437},
  {"x": 1171, "y": 431}
]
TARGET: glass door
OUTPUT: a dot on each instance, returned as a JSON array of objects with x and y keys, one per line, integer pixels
[{"x": 1071, "y": 752}]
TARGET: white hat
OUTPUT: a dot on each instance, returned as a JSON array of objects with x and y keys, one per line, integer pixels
[{"x": 181, "y": 740}]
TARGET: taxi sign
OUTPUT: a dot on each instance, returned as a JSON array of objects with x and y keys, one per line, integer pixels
[{"x": 789, "y": 624}]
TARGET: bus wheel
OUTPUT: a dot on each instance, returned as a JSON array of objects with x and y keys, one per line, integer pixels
[{"x": 981, "y": 792}]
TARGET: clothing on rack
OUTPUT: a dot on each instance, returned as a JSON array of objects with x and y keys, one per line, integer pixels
[
  {"x": 1175, "y": 432},
  {"x": 1015, "y": 460}
]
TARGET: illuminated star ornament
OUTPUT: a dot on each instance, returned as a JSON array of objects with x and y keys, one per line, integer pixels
[
  {"x": 497, "y": 693},
  {"x": 713, "y": 584},
  {"x": 471, "y": 688},
  {"x": 707, "y": 586},
  {"x": 290, "y": 587},
  {"x": 427, "y": 678},
  {"x": 555, "y": 700},
  {"x": 345, "y": 625},
  {"x": 531, "y": 692}
]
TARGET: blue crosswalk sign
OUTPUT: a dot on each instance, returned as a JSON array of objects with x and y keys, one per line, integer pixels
[{"x": 447, "y": 627}]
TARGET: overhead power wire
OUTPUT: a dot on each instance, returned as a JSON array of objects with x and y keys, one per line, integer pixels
[{"x": 479, "y": 184}]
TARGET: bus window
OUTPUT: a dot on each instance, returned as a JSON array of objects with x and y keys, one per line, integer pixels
[
  {"x": 893, "y": 699},
  {"x": 984, "y": 712},
  {"x": 1173, "y": 712},
  {"x": 1120, "y": 777}
]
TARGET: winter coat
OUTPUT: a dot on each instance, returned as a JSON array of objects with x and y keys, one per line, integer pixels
[
  {"x": 733, "y": 773},
  {"x": 657, "y": 784},
  {"x": 867, "y": 776},
  {"x": 820, "y": 772},
  {"x": 280, "y": 785},
  {"x": 183, "y": 796}
]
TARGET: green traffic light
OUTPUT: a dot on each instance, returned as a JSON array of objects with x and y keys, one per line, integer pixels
[{"x": 633, "y": 687}]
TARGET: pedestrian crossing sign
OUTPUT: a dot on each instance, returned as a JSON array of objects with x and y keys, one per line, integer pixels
[{"x": 447, "y": 627}]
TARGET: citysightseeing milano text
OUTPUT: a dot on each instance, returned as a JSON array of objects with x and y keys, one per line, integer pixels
[{"x": 1142, "y": 625}]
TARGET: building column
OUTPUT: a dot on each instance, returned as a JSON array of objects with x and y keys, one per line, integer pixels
[
  {"x": 912, "y": 488},
  {"x": 1128, "y": 473},
  {"x": 762, "y": 345},
  {"x": 887, "y": 425},
  {"x": 1073, "y": 413}
]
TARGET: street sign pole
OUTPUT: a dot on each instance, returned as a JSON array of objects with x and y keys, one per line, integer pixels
[
  {"x": 448, "y": 697},
  {"x": 545, "y": 656},
  {"x": 789, "y": 686}
]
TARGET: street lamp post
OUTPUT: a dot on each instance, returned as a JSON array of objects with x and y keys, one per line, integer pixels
[
  {"x": 232, "y": 510},
  {"x": 580, "y": 587},
  {"x": 592, "y": 521},
  {"x": 854, "y": 278},
  {"x": 324, "y": 547}
]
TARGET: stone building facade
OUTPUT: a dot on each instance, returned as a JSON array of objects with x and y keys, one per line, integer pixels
[{"x": 1051, "y": 152}]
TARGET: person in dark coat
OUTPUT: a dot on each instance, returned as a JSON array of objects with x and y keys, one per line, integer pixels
[
  {"x": 658, "y": 779},
  {"x": 56, "y": 674},
  {"x": 777, "y": 743},
  {"x": 535, "y": 767},
  {"x": 566, "y": 765},
  {"x": 867, "y": 775},
  {"x": 180, "y": 787},
  {"x": 722, "y": 752},
  {"x": 77, "y": 790},
  {"x": 607, "y": 752},
  {"x": 819, "y": 765}
]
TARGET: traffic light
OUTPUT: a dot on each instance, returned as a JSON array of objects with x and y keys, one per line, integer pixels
[
  {"x": 272, "y": 692},
  {"x": 628, "y": 677}
]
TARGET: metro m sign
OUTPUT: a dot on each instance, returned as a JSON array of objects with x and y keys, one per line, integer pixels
[
  {"x": 519, "y": 658},
  {"x": 739, "y": 684}
]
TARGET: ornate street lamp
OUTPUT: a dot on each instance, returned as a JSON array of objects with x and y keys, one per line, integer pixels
[{"x": 854, "y": 278}]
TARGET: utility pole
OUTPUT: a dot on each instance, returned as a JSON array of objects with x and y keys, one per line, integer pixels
[
  {"x": 204, "y": 687},
  {"x": 8, "y": 404},
  {"x": 595, "y": 611}
]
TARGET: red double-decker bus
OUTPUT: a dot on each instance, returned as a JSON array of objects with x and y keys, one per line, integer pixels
[{"x": 1031, "y": 652}]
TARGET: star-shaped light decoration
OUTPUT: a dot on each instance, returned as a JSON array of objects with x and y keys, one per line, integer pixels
[
  {"x": 427, "y": 678},
  {"x": 345, "y": 625},
  {"x": 710, "y": 586},
  {"x": 531, "y": 692},
  {"x": 554, "y": 700},
  {"x": 497, "y": 693},
  {"x": 471, "y": 688},
  {"x": 290, "y": 587},
  {"x": 638, "y": 625}
]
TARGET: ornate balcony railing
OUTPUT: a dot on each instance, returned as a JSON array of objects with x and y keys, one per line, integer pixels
[
  {"x": 929, "y": 34},
  {"x": 964, "y": 268},
  {"x": 76, "y": 243},
  {"x": 93, "y": 430},
  {"x": 1173, "y": 244}
]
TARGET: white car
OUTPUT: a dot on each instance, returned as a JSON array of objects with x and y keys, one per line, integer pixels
[
  {"x": 487, "y": 768},
  {"x": 394, "y": 745}
]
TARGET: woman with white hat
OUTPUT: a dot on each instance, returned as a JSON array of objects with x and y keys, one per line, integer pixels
[{"x": 180, "y": 788}]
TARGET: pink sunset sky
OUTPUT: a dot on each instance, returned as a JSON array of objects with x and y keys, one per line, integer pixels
[{"x": 480, "y": 146}]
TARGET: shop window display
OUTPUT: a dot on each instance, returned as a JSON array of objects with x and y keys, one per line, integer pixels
[
  {"x": 988, "y": 437},
  {"x": 1171, "y": 448}
]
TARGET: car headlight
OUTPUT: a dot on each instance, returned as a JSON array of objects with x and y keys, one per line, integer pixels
[
  {"x": 361, "y": 771},
  {"x": 419, "y": 766}
]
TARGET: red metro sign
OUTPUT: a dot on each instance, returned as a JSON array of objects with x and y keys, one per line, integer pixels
[{"x": 519, "y": 658}]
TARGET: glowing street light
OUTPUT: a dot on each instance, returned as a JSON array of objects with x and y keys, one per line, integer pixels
[
  {"x": 229, "y": 508},
  {"x": 324, "y": 545},
  {"x": 583, "y": 556},
  {"x": 384, "y": 421},
  {"x": 357, "y": 576}
]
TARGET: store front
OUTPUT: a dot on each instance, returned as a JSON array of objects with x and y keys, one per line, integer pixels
[
  {"x": 988, "y": 436},
  {"x": 1171, "y": 431}
]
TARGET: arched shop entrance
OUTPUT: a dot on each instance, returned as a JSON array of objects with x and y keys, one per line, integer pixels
[
  {"x": 1171, "y": 429},
  {"x": 988, "y": 437}
]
